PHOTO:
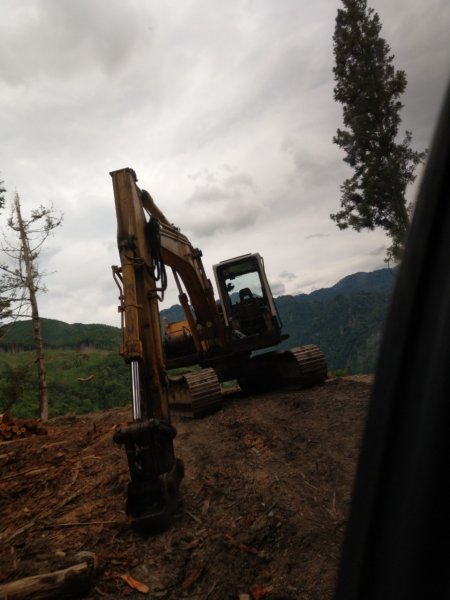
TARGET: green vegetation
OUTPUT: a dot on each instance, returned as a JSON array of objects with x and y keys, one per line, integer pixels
[{"x": 77, "y": 382}]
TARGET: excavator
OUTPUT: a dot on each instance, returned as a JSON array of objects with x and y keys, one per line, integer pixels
[{"x": 222, "y": 339}]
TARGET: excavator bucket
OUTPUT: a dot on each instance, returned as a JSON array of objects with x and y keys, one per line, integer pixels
[{"x": 152, "y": 494}]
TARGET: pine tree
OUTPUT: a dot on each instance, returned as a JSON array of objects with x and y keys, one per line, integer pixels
[{"x": 369, "y": 88}]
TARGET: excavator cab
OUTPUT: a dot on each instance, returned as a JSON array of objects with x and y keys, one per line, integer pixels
[{"x": 246, "y": 300}]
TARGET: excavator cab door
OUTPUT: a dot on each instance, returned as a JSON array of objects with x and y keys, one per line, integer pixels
[{"x": 245, "y": 296}]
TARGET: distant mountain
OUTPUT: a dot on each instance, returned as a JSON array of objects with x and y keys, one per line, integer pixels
[
  {"x": 345, "y": 320},
  {"x": 173, "y": 314},
  {"x": 378, "y": 282}
]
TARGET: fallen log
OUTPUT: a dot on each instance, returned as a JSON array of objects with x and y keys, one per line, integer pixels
[{"x": 66, "y": 583}]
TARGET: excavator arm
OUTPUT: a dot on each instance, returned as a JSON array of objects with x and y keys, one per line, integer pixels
[
  {"x": 152, "y": 494},
  {"x": 141, "y": 339}
]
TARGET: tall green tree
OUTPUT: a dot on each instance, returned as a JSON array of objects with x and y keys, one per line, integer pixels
[{"x": 369, "y": 89}]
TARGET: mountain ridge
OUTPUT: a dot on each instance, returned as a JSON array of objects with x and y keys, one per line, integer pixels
[
  {"x": 345, "y": 320},
  {"x": 59, "y": 334}
]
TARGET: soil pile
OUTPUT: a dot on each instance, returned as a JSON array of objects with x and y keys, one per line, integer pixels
[{"x": 265, "y": 500}]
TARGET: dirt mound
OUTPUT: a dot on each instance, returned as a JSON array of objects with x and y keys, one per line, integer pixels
[{"x": 266, "y": 495}]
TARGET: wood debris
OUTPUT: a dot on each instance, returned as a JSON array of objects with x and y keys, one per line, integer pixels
[
  {"x": 13, "y": 428},
  {"x": 65, "y": 583},
  {"x": 133, "y": 583}
]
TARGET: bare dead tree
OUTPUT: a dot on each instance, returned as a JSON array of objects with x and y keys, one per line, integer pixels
[
  {"x": 4, "y": 303},
  {"x": 21, "y": 278}
]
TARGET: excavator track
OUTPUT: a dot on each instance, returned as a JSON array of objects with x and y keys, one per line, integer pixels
[
  {"x": 303, "y": 366},
  {"x": 298, "y": 368},
  {"x": 195, "y": 394}
]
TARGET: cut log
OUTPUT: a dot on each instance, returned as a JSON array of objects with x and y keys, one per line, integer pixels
[
  {"x": 6, "y": 418},
  {"x": 66, "y": 583},
  {"x": 14, "y": 428}
]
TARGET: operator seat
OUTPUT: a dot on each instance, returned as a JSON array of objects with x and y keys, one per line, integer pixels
[
  {"x": 245, "y": 294},
  {"x": 249, "y": 312}
]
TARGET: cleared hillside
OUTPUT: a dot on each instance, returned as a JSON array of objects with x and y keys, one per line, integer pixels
[{"x": 265, "y": 500}]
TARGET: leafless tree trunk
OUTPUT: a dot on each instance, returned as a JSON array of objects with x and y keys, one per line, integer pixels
[
  {"x": 20, "y": 277},
  {"x": 37, "y": 333}
]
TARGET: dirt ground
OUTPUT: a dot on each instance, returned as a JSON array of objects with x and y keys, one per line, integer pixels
[{"x": 265, "y": 499}]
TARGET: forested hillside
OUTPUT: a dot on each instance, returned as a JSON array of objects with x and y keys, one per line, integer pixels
[
  {"x": 347, "y": 328},
  {"x": 77, "y": 382},
  {"x": 59, "y": 335},
  {"x": 345, "y": 320}
]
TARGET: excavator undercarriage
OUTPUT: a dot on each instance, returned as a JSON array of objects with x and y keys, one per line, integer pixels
[{"x": 295, "y": 368}]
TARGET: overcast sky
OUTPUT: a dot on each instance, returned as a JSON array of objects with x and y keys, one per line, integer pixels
[{"x": 225, "y": 111}]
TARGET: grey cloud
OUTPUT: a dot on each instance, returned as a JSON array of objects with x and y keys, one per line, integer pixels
[
  {"x": 247, "y": 78},
  {"x": 317, "y": 236},
  {"x": 240, "y": 181},
  {"x": 65, "y": 39},
  {"x": 207, "y": 194},
  {"x": 288, "y": 275},
  {"x": 223, "y": 214},
  {"x": 228, "y": 205},
  {"x": 278, "y": 288},
  {"x": 51, "y": 250},
  {"x": 206, "y": 175},
  {"x": 314, "y": 167},
  {"x": 377, "y": 251}
]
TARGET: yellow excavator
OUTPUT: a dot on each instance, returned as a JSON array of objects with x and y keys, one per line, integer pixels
[{"x": 218, "y": 337}]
